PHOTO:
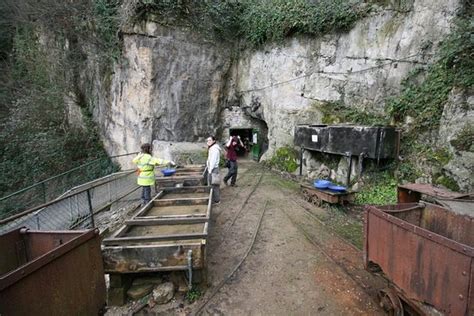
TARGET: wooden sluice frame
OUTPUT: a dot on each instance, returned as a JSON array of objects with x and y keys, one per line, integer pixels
[{"x": 160, "y": 252}]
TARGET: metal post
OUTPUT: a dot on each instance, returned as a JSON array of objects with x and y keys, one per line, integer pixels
[
  {"x": 37, "y": 221},
  {"x": 349, "y": 163},
  {"x": 110, "y": 193},
  {"x": 301, "y": 160},
  {"x": 91, "y": 211},
  {"x": 190, "y": 269},
  {"x": 43, "y": 189},
  {"x": 361, "y": 163}
]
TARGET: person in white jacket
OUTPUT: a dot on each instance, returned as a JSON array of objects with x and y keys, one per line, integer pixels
[{"x": 213, "y": 158}]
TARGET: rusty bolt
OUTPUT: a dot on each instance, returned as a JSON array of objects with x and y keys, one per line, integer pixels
[
  {"x": 464, "y": 273},
  {"x": 461, "y": 297},
  {"x": 429, "y": 235}
]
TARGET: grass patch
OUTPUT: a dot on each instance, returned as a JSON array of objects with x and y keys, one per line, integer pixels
[
  {"x": 284, "y": 183},
  {"x": 337, "y": 219}
]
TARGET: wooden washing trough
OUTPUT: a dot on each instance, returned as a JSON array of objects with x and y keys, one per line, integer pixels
[
  {"x": 160, "y": 235},
  {"x": 189, "y": 175}
]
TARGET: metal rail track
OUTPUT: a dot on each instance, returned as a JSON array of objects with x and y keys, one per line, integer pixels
[
  {"x": 224, "y": 281},
  {"x": 328, "y": 255},
  {"x": 226, "y": 229}
]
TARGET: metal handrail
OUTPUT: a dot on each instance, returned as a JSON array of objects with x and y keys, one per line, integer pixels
[
  {"x": 63, "y": 197},
  {"x": 61, "y": 174}
]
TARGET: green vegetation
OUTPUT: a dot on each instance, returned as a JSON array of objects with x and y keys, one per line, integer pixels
[
  {"x": 263, "y": 21},
  {"x": 465, "y": 139},
  {"x": 380, "y": 188},
  {"x": 36, "y": 138},
  {"x": 336, "y": 112},
  {"x": 424, "y": 94},
  {"x": 254, "y": 22},
  {"x": 447, "y": 182},
  {"x": 455, "y": 68},
  {"x": 284, "y": 159},
  {"x": 106, "y": 22},
  {"x": 44, "y": 51},
  {"x": 424, "y": 103},
  {"x": 193, "y": 295}
]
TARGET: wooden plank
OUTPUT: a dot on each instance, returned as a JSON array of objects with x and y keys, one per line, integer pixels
[
  {"x": 125, "y": 240},
  {"x": 209, "y": 205},
  {"x": 166, "y": 221},
  {"x": 134, "y": 259},
  {"x": 194, "y": 189},
  {"x": 173, "y": 216},
  {"x": 330, "y": 196},
  {"x": 120, "y": 232},
  {"x": 182, "y": 201},
  {"x": 206, "y": 228}
]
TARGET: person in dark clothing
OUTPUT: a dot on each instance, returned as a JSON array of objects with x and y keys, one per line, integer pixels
[{"x": 232, "y": 145}]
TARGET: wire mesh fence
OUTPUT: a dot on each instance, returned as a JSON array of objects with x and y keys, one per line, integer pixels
[
  {"x": 76, "y": 208},
  {"x": 51, "y": 188}
]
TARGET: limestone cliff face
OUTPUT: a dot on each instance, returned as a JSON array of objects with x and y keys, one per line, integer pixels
[
  {"x": 173, "y": 85},
  {"x": 168, "y": 86},
  {"x": 280, "y": 83}
]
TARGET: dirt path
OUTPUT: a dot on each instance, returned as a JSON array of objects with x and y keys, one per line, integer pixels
[
  {"x": 282, "y": 255},
  {"x": 295, "y": 267}
]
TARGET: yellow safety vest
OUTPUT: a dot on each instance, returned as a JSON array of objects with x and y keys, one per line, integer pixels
[{"x": 146, "y": 167}]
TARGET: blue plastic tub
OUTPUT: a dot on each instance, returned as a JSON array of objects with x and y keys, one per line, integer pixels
[
  {"x": 168, "y": 172},
  {"x": 321, "y": 184},
  {"x": 337, "y": 188}
]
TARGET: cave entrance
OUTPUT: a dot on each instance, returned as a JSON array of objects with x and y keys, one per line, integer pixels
[
  {"x": 253, "y": 139},
  {"x": 246, "y": 136}
]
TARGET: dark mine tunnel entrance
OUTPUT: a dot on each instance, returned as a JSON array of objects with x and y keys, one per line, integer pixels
[{"x": 253, "y": 141}]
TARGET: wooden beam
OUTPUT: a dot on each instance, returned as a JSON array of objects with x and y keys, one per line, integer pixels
[
  {"x": 166, "y": 221},
  {"x": 125, "y": 240},
  {"x": 168, "y": 216},
  {"x": 181, "y": 201},
  {"x": 195, "y": 189}
]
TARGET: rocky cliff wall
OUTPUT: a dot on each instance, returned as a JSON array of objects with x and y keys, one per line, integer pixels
[
  {"x": 281, "y": 83},
  {"x": 168, "y": 86},
  {"x": 173, "y": 85}
]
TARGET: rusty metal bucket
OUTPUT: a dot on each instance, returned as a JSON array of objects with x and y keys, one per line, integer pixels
[{"x": 51, "y": 273}]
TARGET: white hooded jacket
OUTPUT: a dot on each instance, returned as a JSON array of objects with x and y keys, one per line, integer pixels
[{"x": 213, "y": 157}]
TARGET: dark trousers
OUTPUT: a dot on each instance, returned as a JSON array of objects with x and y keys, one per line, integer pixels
[
  {"x": 216, "y": 191},
  {"x": 146, "y": 194},
  {"x": 232, "y": 174}
]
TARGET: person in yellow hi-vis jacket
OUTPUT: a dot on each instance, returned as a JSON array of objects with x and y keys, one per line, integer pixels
[{"x": 146, "y": 170}]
